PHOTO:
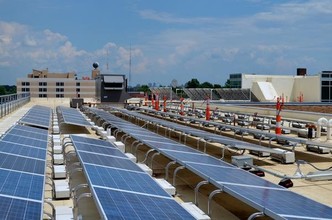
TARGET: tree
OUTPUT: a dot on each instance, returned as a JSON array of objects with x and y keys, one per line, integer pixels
[
  {"x": 217, "y": 86},
  {"x": 2, "y": 90},
  {"x": 227, "y": 84},
  {"x": 206, "y": 85},
  {"x": 144, "y": 88},
  {"x": 193, "y": 83}
]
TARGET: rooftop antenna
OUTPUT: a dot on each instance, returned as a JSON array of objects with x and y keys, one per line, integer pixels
[
  {"x": 129, "y": 66},
  {"x": 107, "y": 52}
]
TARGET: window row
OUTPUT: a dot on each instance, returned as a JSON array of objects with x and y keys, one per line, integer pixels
[{"x": 45, "y": 84}]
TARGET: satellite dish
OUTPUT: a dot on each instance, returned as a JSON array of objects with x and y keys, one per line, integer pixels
[{"x": 95, "y": 65}]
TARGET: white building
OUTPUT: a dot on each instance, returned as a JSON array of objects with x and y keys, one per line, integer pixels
[{"x": 315, "y": 88}]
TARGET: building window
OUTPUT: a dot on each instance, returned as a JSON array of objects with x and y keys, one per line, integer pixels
[
  {"x": 59, "y": 90},
  {"x": 59, "y": 83},
  {"x": 42, "y": 89},
  {"x": 42, "y": 95},
  {"x": 25, "y": 90},
  {"x": 78, "y": 84},
  {"x": 25, "y": 83},
  {"x": 78, "y": 90},
  {"x": 59, "y": 95},
  {"x": 42, "y": 83}
]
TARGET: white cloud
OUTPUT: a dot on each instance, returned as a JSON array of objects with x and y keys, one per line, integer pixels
[{"x": 169, "y": 18}]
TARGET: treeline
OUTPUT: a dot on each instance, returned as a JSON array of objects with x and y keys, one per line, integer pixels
[
  {"x": 193, "y": 83},
  {"x": 7, "y": 90}
]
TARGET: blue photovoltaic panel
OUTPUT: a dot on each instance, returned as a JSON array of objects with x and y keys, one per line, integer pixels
[
  {"x": 122, "y": 163},
  {"x": 91, "y": 141},
  {"x": 194, "y": 157},
  {"x": 124, "y": 180},
  {"x": 40, "y": 131},
  {"x": 19, "y": 163},
  {"x": 99, "y": 150},
  {"x": 258, "y": 193},
  {"x": 72, "y": 116},
  {"x": 23, "y": 150},
  {"x": 29, "y": 134},
  {"x": 114, "y": 175},
  {"x": 171, "y": 146},
  {"x": 19, "y": 209},
  {"x": 127, "y": 205},
  {"x": 38, "y": 116},
  {"x": 25, "y": 141},
  {"x": 282, "y": 202},
  {"x": 230, "y": 175},
  {"x": 22, "y": 185}
]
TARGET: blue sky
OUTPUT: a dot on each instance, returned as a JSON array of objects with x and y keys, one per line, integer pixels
[{"x": 173, "y": 39}]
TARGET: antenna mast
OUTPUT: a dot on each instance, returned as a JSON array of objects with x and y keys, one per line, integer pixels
[
  {"x": 129, "y": 66},
  {"x": 107, "y": 52}
]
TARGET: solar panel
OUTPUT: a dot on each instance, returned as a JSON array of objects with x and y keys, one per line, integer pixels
[
  {"x": 109, "y": 161},
  {"x": 91, "y": 141},
  {"x": 23, "y": 150},
  {"x": 200, "y": 133},
  {"x": 22, "y": 172},
  {"x": 121, "y": 188},
  {"x": 24, "y": 164},
  {"x": 22, "y": 185},
  {"x": 26, "y": 133},
  {"x": 25, "y": 141},
  {"x": 72, "y": 116},
  {"x": 15, "y": 208},
  {"x": 123, "y": 180},
  {"x": 275, "y": 201},
  {"x": 37, "y": 116},
  {"x": 127, "y": 205}
]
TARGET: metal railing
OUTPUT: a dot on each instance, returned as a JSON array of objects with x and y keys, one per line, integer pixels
[{"x": 9, "y": 103}]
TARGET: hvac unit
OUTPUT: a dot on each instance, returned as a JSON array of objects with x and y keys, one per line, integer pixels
[
  {"x": 56, "y": 130},
  {"x": 284, "y": 156},
  {"x": 110, "y": 139}
]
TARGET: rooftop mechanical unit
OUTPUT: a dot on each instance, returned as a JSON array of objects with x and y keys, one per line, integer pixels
[
  {"x": 318, "y": 149},
  {"x": 284, "y": 156}
]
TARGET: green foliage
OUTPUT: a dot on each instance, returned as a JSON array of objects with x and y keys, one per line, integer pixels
[
  {"x": 6, "y": 90},
  {"x": 193, "y": 83},
  {"x": 206, "y": 85},
  {"x": 144, "y": 88}
]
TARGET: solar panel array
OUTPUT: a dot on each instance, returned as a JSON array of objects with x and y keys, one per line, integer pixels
[
  {"x": 234, "y": 128},
  {"x": 230, "y": 142},
  {"x": 271, "y": 199},
  {"x": 23, "y": 151},
  {"x": 71, "y": 116},
  {"x": 121, "y": 189},
  {"x": 39, "y": 116}
]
